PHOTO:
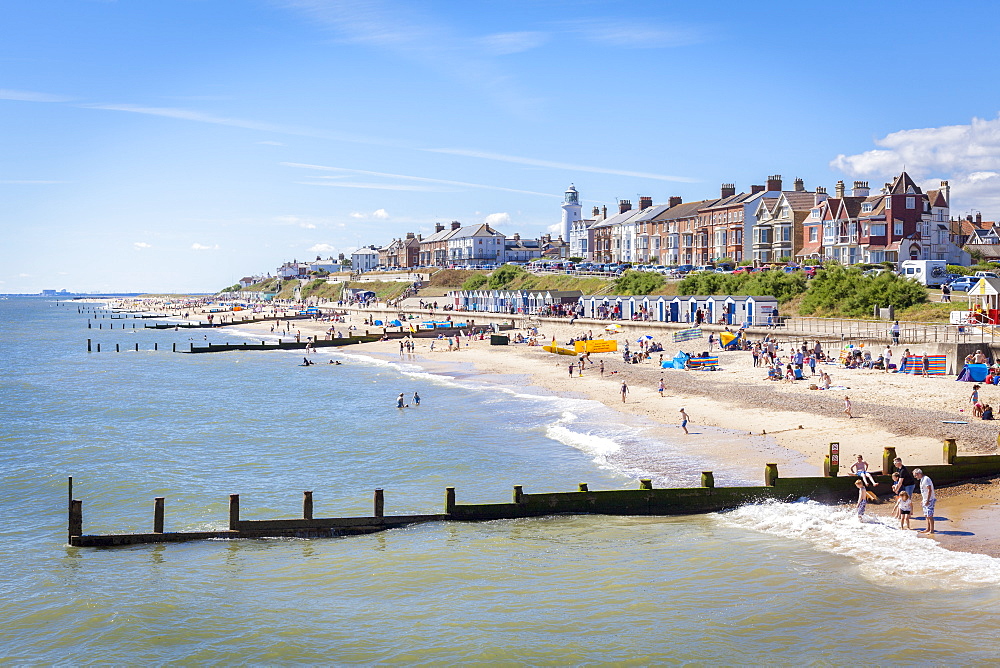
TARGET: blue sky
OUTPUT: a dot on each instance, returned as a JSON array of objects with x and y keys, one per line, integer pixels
[{"x": 180, "y": 145}]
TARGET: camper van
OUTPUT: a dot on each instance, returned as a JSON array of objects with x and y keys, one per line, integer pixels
[{"x": 931, "y": 273}]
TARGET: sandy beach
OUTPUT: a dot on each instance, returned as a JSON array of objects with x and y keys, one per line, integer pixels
[{"x": 739, "y": 420}]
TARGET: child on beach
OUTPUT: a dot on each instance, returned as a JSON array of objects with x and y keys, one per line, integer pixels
[
  {"x": 860, "y": 469},
  {"x": 905, "y": 505},
  {"x": 862, "y": 498},
  {"x": 847, "y": 409},
  {"x": 661, "y": 387},
  {"x": 684, "y": 420}
]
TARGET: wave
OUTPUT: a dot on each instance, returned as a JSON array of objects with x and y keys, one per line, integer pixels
[{"x": 881, "y": 550}]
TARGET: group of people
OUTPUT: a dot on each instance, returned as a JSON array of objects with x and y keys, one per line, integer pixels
[{"x": 904, "y": 485}]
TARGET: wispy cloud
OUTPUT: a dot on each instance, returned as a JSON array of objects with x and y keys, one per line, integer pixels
[
  {"x": 272, "y": 143},
  {"x": 322, "y": 248},
  {"x": 637, "y": 34},
  {"x": 406, "y": 177},
  {"x": 507, "y": 43},
  {"x": 31, "y": 96},
  {"x": 484, "y": 155},
  {"x": 140, "y": 245},
  {"x": 29, "y": 182},
  {"x": 201, "y": 247}
]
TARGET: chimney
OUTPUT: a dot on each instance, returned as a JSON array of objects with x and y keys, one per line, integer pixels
[
  {"x": 946, "y": 191},
  {"x": 800, "y": 186},
  {"x": 420, "y": 237},
  {"x": 517, "y": 237},
  {"x": 595, "y": 212},
  {"x": 969, "y": 218},
  {"x": 438, "y": 227},
  {"x": 604, "y": 212},
  {"x": 410, "y": 235},
  {"x": 774, "y": 183},
  {"x": 860, "y": 189},
  {"x": 455, "y": 224},
  {"x": 756, "y": 189},
  {"x": 979, "y": 218},
  {"x": 624, "y": 205},
  {"x": 675, "y": 201},
  {"x": 838, "y": 189},
  {"x": 645, "y": 203},
  {"x": 728, "y": 189},
  {"x": 821, "y": 195}
]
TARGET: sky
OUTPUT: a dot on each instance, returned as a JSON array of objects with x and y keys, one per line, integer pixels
[{"x": 180, "y": 145}]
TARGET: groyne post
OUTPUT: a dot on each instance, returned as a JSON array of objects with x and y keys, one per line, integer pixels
[
  {"x": 307, "y": 505},
  {"x": 158, "y": 514},
  {"x": 117, "y": 349},
  {"x": 707, "y": 479},
  {"x": 137, "y": 347},
  {"x": 583, "y": 487},
  {"x": 75, "y": 519},
  {"x": 98, "y": 347},
  {"x": 234, "y": 511},
  {"x": 449, "y": 500},
  {"x": 950, "y": 450},
  {"x": 88, "y": 345},
  {"x": 379, "y": 503},
  {"x": 518, "y": 493},
  {"x": 770, "y": 474},
  {"x": 645, "y": 483},
  {"x": 888, "y": 456}
]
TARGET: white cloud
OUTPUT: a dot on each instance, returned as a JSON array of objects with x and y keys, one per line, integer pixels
[
  {"x": 506, "y": 43},
  {"x": 555, "y": 229},
  {"x": 322, "y": 248},
  {"x": 497, "y": 219},
  {"x": 24, "y": 275},
  {"x": 139, "y": 245},
  {"x": 422, "y": 179},
  {"x": 635, "y": 34},
  {"x": 200, "y": 247},
  {"x": 380, "y": 214},
  {"x": 485, "y": 155},
  {"x": 304, "y": 223},
  {"x": 376, "y": 186},
  {"x": 30, "y": 96},
  {"x": 968, "y": 156},
  {"x": 358, "y": 215}
]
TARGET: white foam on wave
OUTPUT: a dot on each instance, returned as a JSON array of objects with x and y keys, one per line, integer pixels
[{"x": 881, "y": 550}]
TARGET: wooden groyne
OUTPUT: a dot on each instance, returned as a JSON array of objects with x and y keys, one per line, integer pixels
[{"x": 646, "y": 500}]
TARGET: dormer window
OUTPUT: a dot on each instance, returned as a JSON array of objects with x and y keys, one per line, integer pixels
[
  {"x": 888, "y": 202},
  {"x": 866, "y": 207}
]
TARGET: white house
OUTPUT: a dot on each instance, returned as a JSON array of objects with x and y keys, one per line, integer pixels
[
  {"x": 476, "y": 244},
  {"x": 364, "y": 259}
]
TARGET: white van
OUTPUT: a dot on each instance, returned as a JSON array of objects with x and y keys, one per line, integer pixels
[{"x": 931, "y": 273}]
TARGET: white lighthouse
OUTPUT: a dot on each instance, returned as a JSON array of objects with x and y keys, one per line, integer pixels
[{"x": 571, "y": 211}]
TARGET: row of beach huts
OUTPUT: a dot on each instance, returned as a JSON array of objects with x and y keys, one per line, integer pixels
[{"x": 737, "y": 310}]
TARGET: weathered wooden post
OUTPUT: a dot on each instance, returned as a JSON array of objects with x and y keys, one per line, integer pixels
[
  {"x": 518, "y": 493},
  {"x": 234, "y": 512},
  {"x": 192, "y": 347},
  {"x": 158, "y": 514},
  {"x": 307, "y": 505},
  {"x": 770, "y": 474},
  {"x": 707, "y": 479},
  {"x": 98, "y": 347},
  {"x": 75, "y": 519},
  {"x": 888, "y": 456},
  {"x": 831, "y": 462},
  {"x": 156, "y": 346},
  {"x": 583, "y": 487},
  {"x": 449, "y": 500},
  {"x": 137, "y": 347},
  {"x": 88, "y": 345},
  {"x": 645, "y": 483},
  {"x": 379, "y": 504},
  {"x": 117, "y": 349},
  {"x": 174, "y": 348},
  {"x": 950, "y": 450}
]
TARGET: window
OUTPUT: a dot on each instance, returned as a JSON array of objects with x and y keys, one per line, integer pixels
[
  {"x": 888, "y": 202},
  {"x": 878, "y": 231},
  {"x": 866, "y": 207},
  {"x": 813, "y": 233},
  {"x": 911, "y": 202},
  {"x": 897, "y": 228}
]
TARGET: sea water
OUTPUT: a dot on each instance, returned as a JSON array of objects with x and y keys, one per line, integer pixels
[{"x": 771, "y": 583}]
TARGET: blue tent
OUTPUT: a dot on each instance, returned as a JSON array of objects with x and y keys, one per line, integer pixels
[
  {"x": 974, "y": 373},
  {"x": 678, "y": 362}
]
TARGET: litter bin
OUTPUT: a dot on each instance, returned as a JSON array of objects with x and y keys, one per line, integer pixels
[{"x": 499, "y": 340}]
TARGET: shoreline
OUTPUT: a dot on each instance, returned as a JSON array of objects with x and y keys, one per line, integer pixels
[{"x": 731, "y": 408}]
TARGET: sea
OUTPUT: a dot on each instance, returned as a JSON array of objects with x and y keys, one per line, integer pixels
[{"x": 774, "y": 583}]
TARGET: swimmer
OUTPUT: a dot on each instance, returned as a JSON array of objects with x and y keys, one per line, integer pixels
[{"x": 399, "y": 401}]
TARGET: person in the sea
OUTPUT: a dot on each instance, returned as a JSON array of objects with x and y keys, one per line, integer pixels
[
  {"x": 905, "y": 505},
  {"x": 927, "y": 498},
  {"x": 862, "y": 498},
  {"x": 399, "y": 401},
  {"x": 416, "y": 399},
  {"x": 684, "y": 420}
]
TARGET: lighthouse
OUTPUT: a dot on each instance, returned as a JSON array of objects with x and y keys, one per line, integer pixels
[{"x": 571, "y": 211}]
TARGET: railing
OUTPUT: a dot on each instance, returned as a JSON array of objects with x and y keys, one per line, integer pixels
[{"x": 881, "y": 330}]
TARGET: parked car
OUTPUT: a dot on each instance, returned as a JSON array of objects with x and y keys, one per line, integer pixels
[
  {"x": 985, "y": 274},
  {"x": 963, "y": 284},
  {"x": 685, "y": 268}
]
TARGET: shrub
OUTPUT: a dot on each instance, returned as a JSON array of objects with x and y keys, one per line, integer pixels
[
  {"x": 475, "y": 282},
  {"x": 637, "y": 283},
  {"x": 505, "y": 275},
  {"x": 778, "y": 284},
  {"x": 959, "y": 269},
  {"x": 846, "y": 291}
]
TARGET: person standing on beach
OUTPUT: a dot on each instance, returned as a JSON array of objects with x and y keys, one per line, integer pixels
[
  {"x": 684, "y": 420},
  {"x": 862, "y": 498},
  {"x": 927, "y": 498},
  {"x": 847, "y": 406},
  {"x": 624, "y": 391},
  {"x": 895, "y": 333},
  {"x": 602, "y": 368},
  {"x": 571, "y": 366},
  {"x": 886, "y": 358},
  {"x": 907, "y": 482},
  {"x": 661, "y": 388}
]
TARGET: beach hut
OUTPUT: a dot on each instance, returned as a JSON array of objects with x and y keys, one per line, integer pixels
[
  {"x": 758, "y": 309},
  {"x": 984, "y": 300},
  {"x": 734, "y": 309},
  {"x": 713, "y": 308},
  {"x": 675, "y": 309},
  {"x": 691, "y": 306}
]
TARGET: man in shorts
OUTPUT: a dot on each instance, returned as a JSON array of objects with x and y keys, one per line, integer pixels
[
  {"x": 927, "y": 498},
  {"x": 905, "y": 476}
]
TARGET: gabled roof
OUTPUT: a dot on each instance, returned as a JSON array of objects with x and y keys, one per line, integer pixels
[
  {"x": 936, "y": 198},
  {"x": 618, "y": 218},
  {"x": 443, "y": 235},
  {"x": 365, "y": 251},
  {"x": 732, "y": 200},
  {"x": 650, "y": 212},
  {"x": 480, "y": 230},
  {"x": 685, "y": 210},
  {"x": 902, "y": 184}
]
